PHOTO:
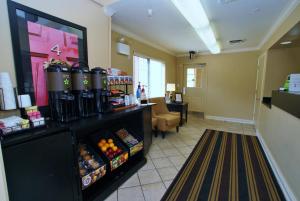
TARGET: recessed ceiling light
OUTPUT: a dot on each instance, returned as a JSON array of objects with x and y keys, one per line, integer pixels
[
  {"x": 286, "y": 43},
  {"x": 255, "y": 11},
  {"x": 150, "y": 12}
]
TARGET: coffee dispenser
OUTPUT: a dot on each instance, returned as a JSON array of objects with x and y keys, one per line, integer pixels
[
  {"x": 61, "y": 100},
  {"x": 81, "y": 88},
  {"x": 101, "y": 93}
]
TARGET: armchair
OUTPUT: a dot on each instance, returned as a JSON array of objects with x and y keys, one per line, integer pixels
[{"x": 165, "y": 120}]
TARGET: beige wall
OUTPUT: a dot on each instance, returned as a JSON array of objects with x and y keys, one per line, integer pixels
[
  {"x": 280, "y": 63},
  {"x": 231, "y": 80},
  {"x": 126, "y": 63},
  {"x": 82, "y": 12},
  {"x": 280, "y": 130}
]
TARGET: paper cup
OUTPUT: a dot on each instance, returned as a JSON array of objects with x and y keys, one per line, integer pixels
[
  {"x": 7, "y": 98},
  {"x": 24, "y": 101},
  {"x": 5, "y": 80}
]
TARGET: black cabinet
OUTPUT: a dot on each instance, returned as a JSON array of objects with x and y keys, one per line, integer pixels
[
  {"x": 147, "y": 123},
  {"x": 42, "y": 164},
  {"x": 41, "y": 169}
]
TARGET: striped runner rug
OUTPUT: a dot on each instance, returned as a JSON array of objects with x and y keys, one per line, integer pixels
[{"x": 225, "y": 166}]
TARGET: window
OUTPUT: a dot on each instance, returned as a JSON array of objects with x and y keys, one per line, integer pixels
[
  {"x": 191, "y": 77},
  {"x": 194, "y": 76},
  {"x": 151, "y": 74}
]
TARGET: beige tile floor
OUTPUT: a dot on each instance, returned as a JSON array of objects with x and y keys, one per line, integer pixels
[{"x": 166, "y": 157}]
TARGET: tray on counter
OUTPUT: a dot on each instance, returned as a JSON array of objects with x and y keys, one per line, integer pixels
[{"x": 21, "y": 128}]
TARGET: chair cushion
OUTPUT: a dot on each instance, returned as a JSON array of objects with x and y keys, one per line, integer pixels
[
  {"x": 170, "y": 119},
  {"x": 175, "y": 113}
]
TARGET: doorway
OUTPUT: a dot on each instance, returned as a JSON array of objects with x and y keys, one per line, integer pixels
[
  {"x": 261, "y": 67},
  {"x": 195, "y": 85}
]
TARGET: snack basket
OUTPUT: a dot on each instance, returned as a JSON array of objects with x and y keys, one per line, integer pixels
[
  {"x": 133, "y": 142},
  {"x": 91, "y": 166}
]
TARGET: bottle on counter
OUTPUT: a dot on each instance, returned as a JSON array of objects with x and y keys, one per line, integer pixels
[
  {"x": 138, "y": 93},
  {"x": 143, "y": 96}
]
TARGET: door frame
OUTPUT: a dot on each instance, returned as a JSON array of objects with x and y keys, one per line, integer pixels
[{"x": 260, "y": 71}]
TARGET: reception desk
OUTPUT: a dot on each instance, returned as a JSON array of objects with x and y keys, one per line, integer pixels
[{"x": 287, "y": 101}]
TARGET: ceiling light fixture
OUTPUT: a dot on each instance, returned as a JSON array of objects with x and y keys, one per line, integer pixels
[
  {"x": 194, "y": 13},
  {"x": 286, "y": 43},
  {"x": 150, "y": 12}
]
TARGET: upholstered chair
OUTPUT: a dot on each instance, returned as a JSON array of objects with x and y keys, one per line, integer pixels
[{"x": 165, "y": 120}]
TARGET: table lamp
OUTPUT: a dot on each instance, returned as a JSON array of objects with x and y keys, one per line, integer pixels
[{"x": 170, "y": 88}]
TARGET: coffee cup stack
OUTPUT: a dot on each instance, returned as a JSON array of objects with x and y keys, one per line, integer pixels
[{"x": 7, "y": 95}]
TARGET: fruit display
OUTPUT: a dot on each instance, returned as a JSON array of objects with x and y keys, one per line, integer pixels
[
  {"x": 132, "y": 143},
  {"x": 115, "y": 154},
  {"x": 91, "y": 167}
]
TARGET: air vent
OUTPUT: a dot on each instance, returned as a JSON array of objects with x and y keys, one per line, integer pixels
[
  {"x": 227, "y": 1},
  {"x": 236, "y": 42}
]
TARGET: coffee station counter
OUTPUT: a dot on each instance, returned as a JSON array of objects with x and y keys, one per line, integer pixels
[
  {"x": 79, "y": 126},
  {"x": 49, "y": 157}
]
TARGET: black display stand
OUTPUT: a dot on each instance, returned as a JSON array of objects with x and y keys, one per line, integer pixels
[{"x": 42, "y": 164}]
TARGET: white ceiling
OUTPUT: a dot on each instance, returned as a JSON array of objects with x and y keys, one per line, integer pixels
[{"x": 241, "y": 19}]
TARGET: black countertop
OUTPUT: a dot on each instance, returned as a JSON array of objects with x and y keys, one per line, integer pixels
[
  {"x": 74, "y": 126},
  {"x": 267, "y": 101},
  {"x": 30, "y": 134},
  {"x": 287, "y": 101}
]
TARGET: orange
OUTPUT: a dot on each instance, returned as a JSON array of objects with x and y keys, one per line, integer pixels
[
  {"x": 126, "y": 156},
  {"x": 103, "y": 141},
  {"x": 114, "y": 148},
  {"x": 110, "y": 140},
  {"x": 104, "y": 148},
  {"x": 99, "y": 144},
  {"x": 111, "y": 145}
]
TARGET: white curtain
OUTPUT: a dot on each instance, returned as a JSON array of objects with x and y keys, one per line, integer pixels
[
  {"x": 157, "y": 79},
  {"x": 151, "y": 74}
]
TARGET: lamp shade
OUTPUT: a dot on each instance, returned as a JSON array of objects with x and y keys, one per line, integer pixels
[{"x": 170, "y": 87}]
